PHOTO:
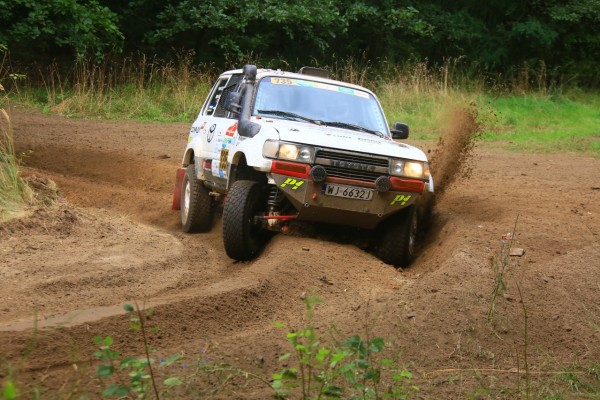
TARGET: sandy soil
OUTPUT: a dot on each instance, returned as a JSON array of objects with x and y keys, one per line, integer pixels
[{"x": 111, "y": 238}]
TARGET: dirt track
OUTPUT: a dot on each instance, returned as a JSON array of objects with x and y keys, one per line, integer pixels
[{"x": 113, "y": 239}]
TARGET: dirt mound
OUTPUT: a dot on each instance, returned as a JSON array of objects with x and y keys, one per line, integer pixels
[{"x": 69, "y": 258}]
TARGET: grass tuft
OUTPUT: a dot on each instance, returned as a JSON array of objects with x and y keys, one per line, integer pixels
[{"x": 14, "y": 191}]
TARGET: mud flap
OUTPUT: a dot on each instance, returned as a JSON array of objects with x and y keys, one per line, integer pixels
[{"x": 177, "y": 191}]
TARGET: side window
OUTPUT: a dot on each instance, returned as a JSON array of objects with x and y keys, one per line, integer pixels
[
  {"x": 215, "y": 96},
  {"x": 233, "y": 85}
]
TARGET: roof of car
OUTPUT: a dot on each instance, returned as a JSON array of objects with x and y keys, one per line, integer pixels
[{"x": 262, "y": 72}]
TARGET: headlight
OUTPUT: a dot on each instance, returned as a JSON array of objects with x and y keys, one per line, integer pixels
[
  {"x": 397, "y": 167},
  {"x": 413, "y": 169},
  {"x": 288, "y": 151},
  {"x": 305, "y": 154},
  {"x": 270, "y": 149},
  {"x": 409, "y": 169}
]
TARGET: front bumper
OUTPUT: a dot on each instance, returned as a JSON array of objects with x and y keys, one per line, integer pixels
[{"x": 314, "y": 204}]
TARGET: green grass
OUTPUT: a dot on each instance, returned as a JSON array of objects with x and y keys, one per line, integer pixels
[
  {"x": 525, "y": 123},
  {"x": 161, "y": 103},
  {"x": 535, "y": 119},
  {"x": 569, "y": 122}
]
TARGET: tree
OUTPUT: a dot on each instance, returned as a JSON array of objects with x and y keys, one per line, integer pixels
[{"x": 59, "y": 27}]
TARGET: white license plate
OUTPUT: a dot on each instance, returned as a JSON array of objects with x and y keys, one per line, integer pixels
[{"x": 348, "y": 192}]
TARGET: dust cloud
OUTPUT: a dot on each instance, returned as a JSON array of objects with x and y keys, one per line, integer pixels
[
  {"x": 453, "y": 155},
  {"x": 452, "y": 158}
]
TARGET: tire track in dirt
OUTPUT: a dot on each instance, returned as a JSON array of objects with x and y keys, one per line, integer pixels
[{"x": 138, "y": 185}]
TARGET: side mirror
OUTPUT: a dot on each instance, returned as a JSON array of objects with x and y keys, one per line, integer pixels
[
  {"x": 233, "y": 102},
  {"x": 399, "y": 130},
  {"x": 248, "y": 128}
]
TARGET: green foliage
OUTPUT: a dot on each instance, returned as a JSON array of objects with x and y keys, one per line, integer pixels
[
  {"x": 9, "y": 391},
  {"x": 229, "y": 30},
  {"x": 499, "y": 36},
  {"x": 349, "y": 369},
  {"x": 138, "y": 369},
  {"x": 81, "y": 28}
]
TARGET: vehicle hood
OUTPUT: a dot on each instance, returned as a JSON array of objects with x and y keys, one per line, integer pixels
[{"x": 343, "y": 139}]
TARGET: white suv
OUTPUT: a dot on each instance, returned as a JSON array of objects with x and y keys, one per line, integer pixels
[{"x": 276, "y": 146}]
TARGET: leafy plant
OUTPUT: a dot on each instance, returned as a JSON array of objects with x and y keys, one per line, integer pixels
[
  {"x": 83, "y": 28},
  {"x": 348, "y": 369},
  {"x": 139, "y": 369},
  {"x": 9, "y": 391}
]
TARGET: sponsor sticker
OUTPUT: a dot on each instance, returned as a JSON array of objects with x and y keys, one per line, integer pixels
[{"x": 211, "y": 133}]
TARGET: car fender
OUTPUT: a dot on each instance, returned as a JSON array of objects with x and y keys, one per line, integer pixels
[{"x": 251, "y": 150}]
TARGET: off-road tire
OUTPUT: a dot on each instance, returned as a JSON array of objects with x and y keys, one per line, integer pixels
[
  {"x": 244, "y": 237},
  {"x": 196, "y": 204},
  {"x": 398, "y": 242}
]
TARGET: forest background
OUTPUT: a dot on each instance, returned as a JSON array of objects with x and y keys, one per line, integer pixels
[{"x": 498, "y": 37}]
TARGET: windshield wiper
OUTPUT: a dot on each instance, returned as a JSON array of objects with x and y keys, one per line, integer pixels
[
  {"x": 291, "y": 115},
  {"x": 348, "y": 125}
]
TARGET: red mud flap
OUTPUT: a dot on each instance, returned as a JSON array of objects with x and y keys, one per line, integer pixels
[{"x": 177, "y": 192}]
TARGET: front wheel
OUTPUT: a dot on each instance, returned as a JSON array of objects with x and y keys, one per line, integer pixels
[
  {"x": 398, "y": 243},
  {"x": 244, "y": 236}
]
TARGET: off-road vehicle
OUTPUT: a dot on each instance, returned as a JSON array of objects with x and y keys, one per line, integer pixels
[{"x": 277, "y": 146}]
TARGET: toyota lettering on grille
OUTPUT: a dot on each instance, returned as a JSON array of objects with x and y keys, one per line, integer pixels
[{"x": 352, "y": 165}]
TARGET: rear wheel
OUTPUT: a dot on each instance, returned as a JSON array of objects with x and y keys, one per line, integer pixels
[
  {"x": 243, "y": 236},
  {"x": 398, "y": 244},
  {"x": 196, "y": 207}
]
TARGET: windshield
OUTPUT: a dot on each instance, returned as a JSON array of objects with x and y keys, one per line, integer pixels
[{"x": 319, "y": 102}]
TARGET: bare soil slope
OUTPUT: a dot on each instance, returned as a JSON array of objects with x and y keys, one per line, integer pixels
[{"x": 111, "y": 238}]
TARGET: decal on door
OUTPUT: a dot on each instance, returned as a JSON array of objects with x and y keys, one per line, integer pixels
[
  {"x": 231, "y": 130},
  {"x": 211, "y": 133},
  {"x": 223, "y": 160},
  {"x": 197, "y": 130}
]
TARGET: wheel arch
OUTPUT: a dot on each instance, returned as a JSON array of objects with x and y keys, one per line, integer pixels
[
  {"x": 188, "y": 158},
  {"x": 240, "y": 170}
]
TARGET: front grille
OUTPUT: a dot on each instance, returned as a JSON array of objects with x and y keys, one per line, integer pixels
[
  {"x": 351, "y": 174},
  {"x": 353, "y": 157},
  {"x": 351, "y": 165}
]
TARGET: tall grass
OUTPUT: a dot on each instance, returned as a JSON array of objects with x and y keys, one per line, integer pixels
[
  {"x": 519, "y": 109},
  {"x": 14, "y": 192},
  {"x": 141, "y": 88}
]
